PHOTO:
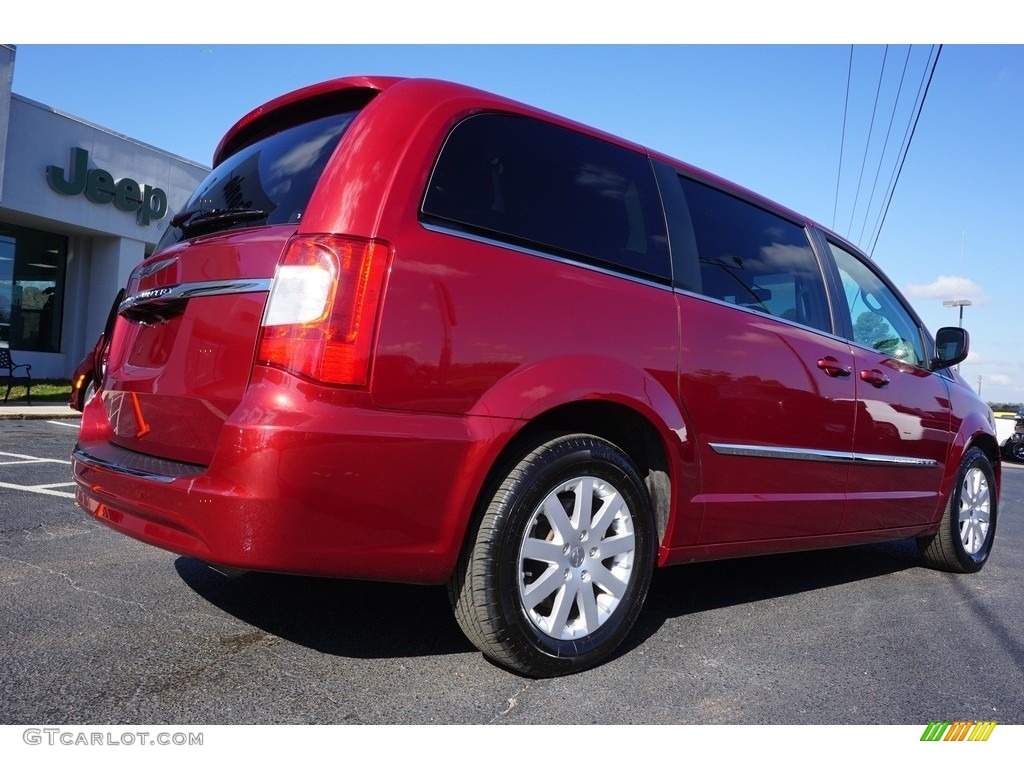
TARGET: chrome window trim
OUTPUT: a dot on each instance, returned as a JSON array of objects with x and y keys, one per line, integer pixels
[
  {"x": 763, "y": 315},
  {"x": 809, "y": 454},
  {"x": 434, "y": 226},
  {"x": 185, "y": 291}
]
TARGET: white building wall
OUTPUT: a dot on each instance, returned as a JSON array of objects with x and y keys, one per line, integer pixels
[
  {"x": 111, "y": 263},
  {"x": 6, "y": 78},
  {"x": 40, "y": 136},
  {"x": 104, "y": 242}
]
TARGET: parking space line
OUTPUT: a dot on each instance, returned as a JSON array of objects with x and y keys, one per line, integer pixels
[
  {"x": 72, "y": 424},
  {"x": 8, "y": 459},
  {"x": 31, "y": 459},
  {"x": 43, "y": 489}
]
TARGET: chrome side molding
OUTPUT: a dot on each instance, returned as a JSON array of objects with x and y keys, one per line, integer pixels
[{"x": 809, "y": 454}]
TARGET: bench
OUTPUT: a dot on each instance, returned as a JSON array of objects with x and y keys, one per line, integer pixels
[{"x": 7, "y": 365}]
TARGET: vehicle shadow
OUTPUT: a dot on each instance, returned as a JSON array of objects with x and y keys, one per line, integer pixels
[
  {"x": 688, "y": 589},
  {"x": 358, "y": 619},
  {"x": 371, "y": 620}
]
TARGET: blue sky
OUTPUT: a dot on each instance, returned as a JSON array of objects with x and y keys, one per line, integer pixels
[{"x": 770, "y": 117}]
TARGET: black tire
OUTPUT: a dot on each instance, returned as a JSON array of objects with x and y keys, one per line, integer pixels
[
  {"x": 536, "y": 538},
  {"x": 1017, "y": 450},
  {"x": 964, "y": 539}
]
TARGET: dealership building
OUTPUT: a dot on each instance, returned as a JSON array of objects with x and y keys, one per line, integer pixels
[{"x": 80, "y": 206}]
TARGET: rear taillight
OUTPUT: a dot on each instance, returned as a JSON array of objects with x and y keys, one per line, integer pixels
[{"x": 322, "y": 310}]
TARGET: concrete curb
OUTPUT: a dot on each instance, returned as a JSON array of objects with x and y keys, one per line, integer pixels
[{"x": 8, "y": 413}]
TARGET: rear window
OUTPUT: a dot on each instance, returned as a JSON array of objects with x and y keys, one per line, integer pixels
[
  {"x": 276, "y": 175},
  {"x": 541, "y": 186}
]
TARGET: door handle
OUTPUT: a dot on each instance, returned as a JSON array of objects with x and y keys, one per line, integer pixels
[
  {"x": 833, "y": 367},
  {"x": 874, "y": 377}
]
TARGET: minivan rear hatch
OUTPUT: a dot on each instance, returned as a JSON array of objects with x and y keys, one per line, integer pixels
[{"x": 183, "y": 346}]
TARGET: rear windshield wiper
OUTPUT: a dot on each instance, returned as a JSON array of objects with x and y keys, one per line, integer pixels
[{"x": 191, "y": 220}]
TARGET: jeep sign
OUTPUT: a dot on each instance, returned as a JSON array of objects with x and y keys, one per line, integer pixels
[{"x": 150, "y": 203}]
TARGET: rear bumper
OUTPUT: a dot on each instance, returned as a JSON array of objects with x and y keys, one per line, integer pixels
[{"x": 312, "y": 489}]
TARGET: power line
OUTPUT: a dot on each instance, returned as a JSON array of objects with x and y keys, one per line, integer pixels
[
  {"x": 842, "y": 140},
  {"x": 867, "y": 144},
  {"x": 885, "y": 145},
  {"x": 906, "y": 150},
  {"x": 903, "y": 146}
]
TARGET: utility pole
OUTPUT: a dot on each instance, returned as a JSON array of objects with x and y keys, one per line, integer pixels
[{"x": 958, "y": 303}]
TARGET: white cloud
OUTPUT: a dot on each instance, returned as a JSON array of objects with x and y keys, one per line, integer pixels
[
  {"x": 997, "y": 379},
  {"x": 949, "y": 288}
]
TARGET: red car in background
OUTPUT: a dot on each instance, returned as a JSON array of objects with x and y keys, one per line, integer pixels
[
  {"x": 407, "y": 330},
  {"x": 88, "y": 376}
]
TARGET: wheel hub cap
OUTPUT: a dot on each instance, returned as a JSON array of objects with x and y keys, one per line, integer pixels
[
  {"x": 975, "y": 509},
  {"x": 576, "y": 558}
]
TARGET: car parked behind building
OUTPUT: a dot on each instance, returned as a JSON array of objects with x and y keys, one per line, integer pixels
[{"x": 407, "y": 330}]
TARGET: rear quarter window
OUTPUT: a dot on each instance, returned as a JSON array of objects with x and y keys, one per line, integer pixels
[{"x": 539, "y": 185}]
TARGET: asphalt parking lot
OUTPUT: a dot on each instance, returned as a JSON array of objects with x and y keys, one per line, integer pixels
[{"x": 98, "y": 628}]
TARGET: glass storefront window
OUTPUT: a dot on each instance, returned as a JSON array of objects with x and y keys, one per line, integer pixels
[{"x": 32, "y": 270}]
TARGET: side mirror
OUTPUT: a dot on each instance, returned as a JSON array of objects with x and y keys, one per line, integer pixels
[{"x": 951, "y": 347}]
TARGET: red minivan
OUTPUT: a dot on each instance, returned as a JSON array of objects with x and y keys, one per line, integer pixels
[{"x": 410, "y": 331}]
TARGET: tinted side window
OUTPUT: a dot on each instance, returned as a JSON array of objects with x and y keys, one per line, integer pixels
[
  {"x": 546, "y": 187},
  {"x": 878, "y": 317},
  {"x": 755, "y": 259}
]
